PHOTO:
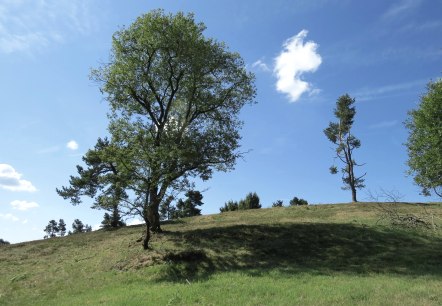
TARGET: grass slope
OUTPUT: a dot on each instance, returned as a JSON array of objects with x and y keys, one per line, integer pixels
[{"x": 317, "y": 255}]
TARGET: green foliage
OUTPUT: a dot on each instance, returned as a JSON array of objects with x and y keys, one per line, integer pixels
[
  {"x": 424, "y": 142},
  {"x": 188, "y": 207},
  {"x": 112, "y": 221},
  {"x": 250, "y": 202},
  {"x": 61, "y": 227},
  {"x": 79, "y": 227},
  {"x": 339, "y": 133},
  {"x": 229, "y": 206},
  {"x": 51, "y": 229},
  {"x": 3, "y": 242},
  {"x": 278, "y": 203},
  {"x": 174, "y": 98},
  {"x": 296, "y": 202},
  {"x": 101, "y": 179}
]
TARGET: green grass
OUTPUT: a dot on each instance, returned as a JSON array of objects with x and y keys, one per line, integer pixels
[{"x": 315, "y": 255}]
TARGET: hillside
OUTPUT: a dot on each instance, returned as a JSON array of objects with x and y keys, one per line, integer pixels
[{"x": 339, "y": 254}]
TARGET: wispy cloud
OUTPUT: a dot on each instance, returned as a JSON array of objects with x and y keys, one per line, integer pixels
[
  {"x": 49, "y": 150},
  {"x": 416, "y": 27},
  {"x": 11, "y": 180},
  {"x": 400, "y": 8},
  {"x": 261, "y": 65},
  {"x": 384, "y": 124},
  {"x": 27, "y": 25},
  {"x": 9, "y": 217},
  {"x": 23, "y": 205},
  {"x": 72, "y": 145},
  {"x": 295, "y": 59},
  {"x": 367, "y": 94}
]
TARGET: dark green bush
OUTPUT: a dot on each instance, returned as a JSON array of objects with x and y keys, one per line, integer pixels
[{"x": 296, "y": 202}]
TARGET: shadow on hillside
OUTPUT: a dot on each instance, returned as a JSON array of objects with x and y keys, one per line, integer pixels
[{"x": 294, "y": 248}]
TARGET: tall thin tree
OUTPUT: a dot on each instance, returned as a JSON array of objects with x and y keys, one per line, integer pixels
[{"x": 339, "y": 133}]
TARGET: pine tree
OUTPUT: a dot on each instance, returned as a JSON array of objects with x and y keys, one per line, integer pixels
[
  {"x": 167, "y": 211},
  {"x": 51, "y": 229},
  {"x": 339, "y": 133},
  {"x": 62, "y": 227},
  {"x": 77, "y": 226},
  {"x": 229, "y": 206},
  {"x": 278, "y": 203},
  {"x": 250, "y": 202},
  {"x": 188, "y": 208}
]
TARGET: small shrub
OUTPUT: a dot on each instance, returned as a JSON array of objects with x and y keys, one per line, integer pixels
[
  {"x": 296, "y": 202},
  {"x": 229, "y": 206},
  {"x": 2, "y": 242},
  {"x": 278, "y": 203},
  {"x": 250, "y": 202}
]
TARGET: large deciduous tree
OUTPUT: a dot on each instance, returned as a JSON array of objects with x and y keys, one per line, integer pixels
[
  {"x": 425, "y": 140},
  {"x": 174, "y": 98},
  {"x": 339, "y": 133}
]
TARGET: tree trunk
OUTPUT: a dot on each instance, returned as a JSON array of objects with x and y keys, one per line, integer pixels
[
  {"x": 353, "y": 194},
  {"x": 351, "y": 174},
  {"x": 146, "y": 236},
  {"x": 154, "y": 218}
]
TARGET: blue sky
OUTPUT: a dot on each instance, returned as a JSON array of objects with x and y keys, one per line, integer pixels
[{"x": 305, "y": 54}]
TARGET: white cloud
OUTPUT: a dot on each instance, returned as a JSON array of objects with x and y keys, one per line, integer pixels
[
  {"x": 11, "y": 180},
  {"x": 72, "y": 145},
  {"x": 27, "y": 25},
  {"x": 9, "y": 217},
  {"x": 296, "y": 58},
  {"x": 23, "y": 205},
  {"x": 261, "y": 65}
]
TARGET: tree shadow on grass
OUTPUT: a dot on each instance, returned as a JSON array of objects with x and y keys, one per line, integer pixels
[{"x": 295, "y": 248}]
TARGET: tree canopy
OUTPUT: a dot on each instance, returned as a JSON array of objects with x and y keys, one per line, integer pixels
[
  {"x": 424, "y": 142},
  {"x": 174, "y": 98}
]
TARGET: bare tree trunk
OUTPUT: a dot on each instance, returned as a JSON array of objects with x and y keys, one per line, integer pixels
[
  {"x": 351, "y": 175},
  {"x": 152, "y": 210},
  {"x": 146, "y": 236},
  {"x": 353, "y": 193},
  {"x": 154, "y": 218}
]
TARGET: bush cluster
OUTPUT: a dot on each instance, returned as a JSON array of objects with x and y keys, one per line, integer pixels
[{"x": 251, "y": 201}]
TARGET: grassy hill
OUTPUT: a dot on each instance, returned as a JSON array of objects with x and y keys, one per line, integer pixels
[{"x": 317, "y": 255}]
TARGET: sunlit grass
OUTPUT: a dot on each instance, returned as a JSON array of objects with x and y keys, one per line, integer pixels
[{"x": 314, "y": 255}]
